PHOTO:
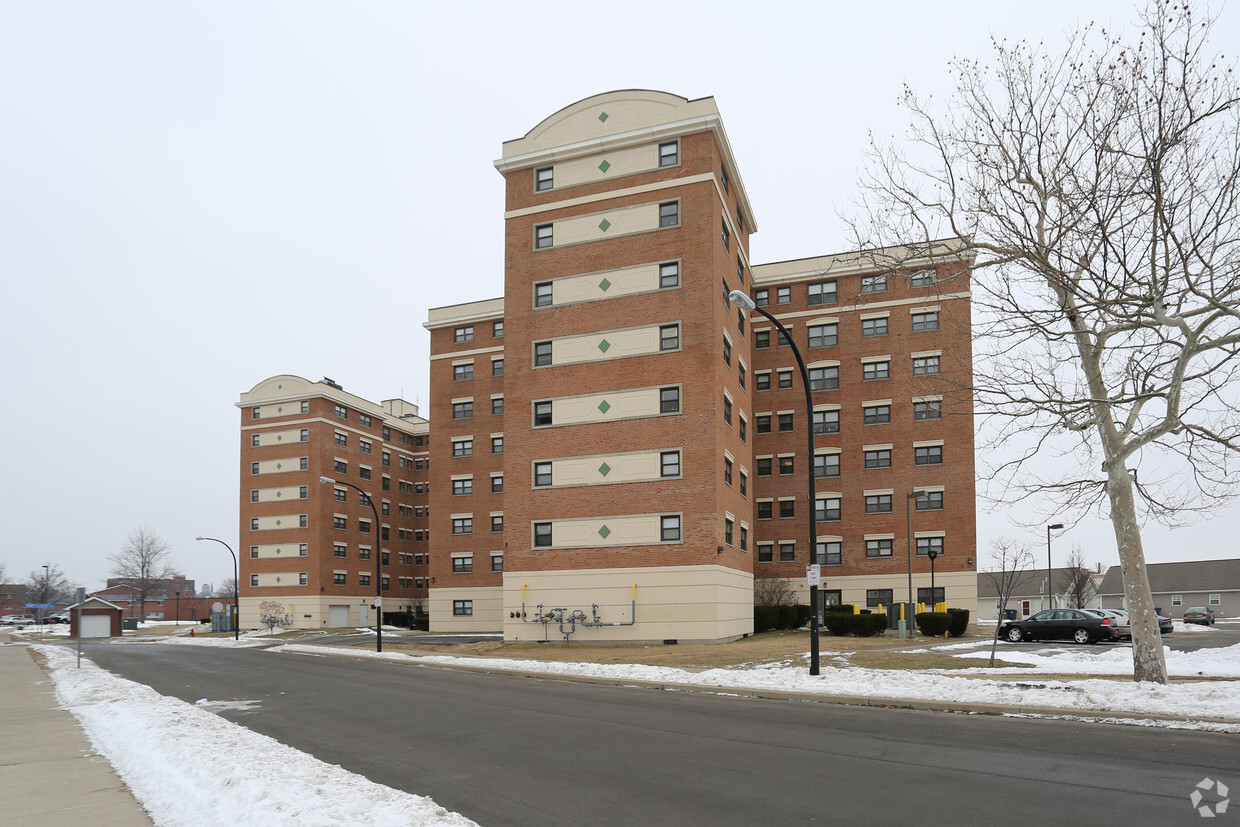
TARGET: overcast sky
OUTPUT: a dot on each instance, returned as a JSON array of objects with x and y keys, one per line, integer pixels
[{"x": 196, "y": 196}]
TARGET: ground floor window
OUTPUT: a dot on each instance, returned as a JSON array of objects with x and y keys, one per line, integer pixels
[
  {"x": 878, "y": 597},
  {"x": 462, "y": 608},
  {"x": 1216, "y": 599},
  {"x": 931, "y": 596}
]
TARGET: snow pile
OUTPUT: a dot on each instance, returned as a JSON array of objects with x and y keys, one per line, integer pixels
[{"x": 181, "y": 761}]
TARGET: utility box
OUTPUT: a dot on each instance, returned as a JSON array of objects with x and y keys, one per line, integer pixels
[
  {"x": 129, "y": 624},
  {"x": 907, "y": 627}
]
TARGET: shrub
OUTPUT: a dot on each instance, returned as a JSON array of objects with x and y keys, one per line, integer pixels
[
  {"x": 787, "y": 617},
  {"x": 838, "y": 623},
  {"x": 933, "y": 624},
  {"x": 765, "y": 618},
  {"x": 960, "y": 622},
  {"x": 867, "y": 625},
  {"x": 842, "y": 608},
  {"x": 803, "y": 615}
]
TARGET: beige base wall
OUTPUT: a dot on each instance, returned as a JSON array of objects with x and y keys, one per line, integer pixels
[
  {"x": 959, "y": 588},
  {"x": 309, "y": 611},
  {"x": 488, "y": 610},
  {"x": 688, "y": 604}
]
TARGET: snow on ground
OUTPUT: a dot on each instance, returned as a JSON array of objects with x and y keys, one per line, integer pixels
[{"x": 181, "y": 761}]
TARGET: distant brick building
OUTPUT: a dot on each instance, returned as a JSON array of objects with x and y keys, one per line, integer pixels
[{"x": 615, "y": 441}]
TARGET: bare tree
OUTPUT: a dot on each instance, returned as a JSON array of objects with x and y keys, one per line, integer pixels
[
  {"x": 773, "y": 591},
  {"x": 1010, "y": 560},
  {"x": 143, "y": 562},
  {"x": 4, "y": 573},
  {"x": 228, "y": 588},
  {"x": 47, "y": 585},
  {"x": 1095, "y": 199},
  {"x": 1077, "y": 584},
  {"x": 272, "y": 614}
]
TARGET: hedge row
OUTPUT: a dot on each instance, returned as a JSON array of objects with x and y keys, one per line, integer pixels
[
  {"x": 766, "y": 618},
  {"x": 861, "y": 625}
]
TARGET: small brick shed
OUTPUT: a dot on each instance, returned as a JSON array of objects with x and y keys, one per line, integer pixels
[{"x": 99, "y": 618}]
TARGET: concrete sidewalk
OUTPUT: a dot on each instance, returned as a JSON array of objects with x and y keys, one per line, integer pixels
[{"x": 49, "y": 773}]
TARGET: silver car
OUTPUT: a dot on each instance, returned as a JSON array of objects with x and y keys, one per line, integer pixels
[{"x": 1119, "y": 620}]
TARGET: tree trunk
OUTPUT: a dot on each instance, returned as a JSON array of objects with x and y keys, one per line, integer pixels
[{"x": 1148, "y": 661}]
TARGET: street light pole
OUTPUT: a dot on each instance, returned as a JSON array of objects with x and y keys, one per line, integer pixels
[
  {"x": 741, "y": 300},
  {"x": 236, "y": 587},
  {"x": 1049, "y": 601},
  {"x": 378, "y": 559},
  {"x": 920, "y": 497},
  {"x": 178, "y": 594}
]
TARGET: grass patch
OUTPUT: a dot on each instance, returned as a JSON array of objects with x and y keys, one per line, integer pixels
[{"x": 922, "y": 661}]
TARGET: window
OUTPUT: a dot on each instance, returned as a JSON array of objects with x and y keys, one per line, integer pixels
[
  {"x": 928, "y": 455},
  {"x": 542, "y": 353},
  {"x": 761, "y": 339},
  {"x": 764, "y": 466},
  {"x": 922, "y": 278},
  {"x": 364, "y": 419},
  {"x": 463, "y": 334},
  {"x": 462, "y": 373},
  {"x": 744, "y": 484},
  {"x": 744, "y": 538},
  {"x": 497, "y": 445},
  {"x": 929, "y": 501},
  {"x": 828, "y": 554},
  {"x": 874, "y": 327},
  {"x": 727, "y": 410},
  {"x": 462, "y": 608},
  {"x": 342, "y": 439},
  {"x": 878, "y": 458},
  {"x": 363, "y": 579},
  {"x": 727, "y": 471},
  {"x": 669, "y": 400},
  {"x": 727, "y": 234},
  {"x": 669, "y": 275},
  {"x": 497, "y": 406},
  {"x": 340, "y": 550},
  {"x": 462, "y": 565},
  {"x": 823, "y": 335},
  {"x": 254, "y": 440},
  {"x": 363, "y": 473},
  {"x": 669, "y": 337},
  {"x": 304, "y": 463},
  {"x": 826, "y": 465},
  {"x": 740, "y": 269},
  {"x": 727, "y": 532},
  {"x": 762, "y": 381},
  {"x": 462, "y": 410},
  {"x": 786, "y": 465},
  {"x": 783, "y": 295},
  {"x": 763, "y": 423},
  {"x": 824, "y": 379},
  {"x": 925, "y": 365},
  {"x": 878, "y": 597},
  {"x": 463, "y": 448},
  {"x": 875, "y": 370},
  {"x": 340, "y": 522},
  {"x": 253, "y": 579},
  {"x": 543, "y": 179},
  {"x": 873, "y": 284},
  {"x": 542, "y": 413},
  {"x": 764, "y": 552},
  {"x": 826, "y": 422},
  {"x": 877, "y": 414},
  {"x": 727, "y": 351},
  {"x": 542, "y": 237},
  {"x": 542, "y": 294},
  {"x": 341, "y": 467},
  {"x": 822, "y": 292},
  {"x": 363, "y": 446},
  {"x": 305, "y": 435},
  {"x": 497, "y": 330},
  {"x": 742, "y": 425},
  {"x": 669, "y": 464},
  {"x": 339, "y": 578},
  {"x": 363, "y": 553},
  {"x": 669, "y": 214},
  {"x": 878, "y": 548},
  {"x": 497, "y": 523},
  {"x": 827, "y": 509},
  {"x": 669, "y": 154},
  {"x": 878, "y": 504},
  {"x": 341, "y": 495},
  {"x": 542, "y": 535},
  {"x": 925, "y": 545},
  {"x": 762, "y": 298},
  {"x": 497, "y": 562},
  {"x": 462, "y": 488},
  {"x": 740, "y": 373},
  {"x": 925, "y": 321},
  {"x": 930, "y": 409},
  {"x": 784, "y": 378},
  {"x": 785, "y": 422},
  {"x": 363, "y": 526},
  {"x": 787, "y": 552},
  {"x": 669, "y": 528},
  {"x": 342, "y": 412},
  {"x": 787, "y": 509},
  {"x": 462, "y": 525},
  {"x": 764, "y": 509},
  {"x": 1177, "y": 600},
  {"x": 542, "y": 473},
  {"x": 1216, "y": 599},
  {"x": 723, "y": 175},
  {"x": 931, "y": 597}
]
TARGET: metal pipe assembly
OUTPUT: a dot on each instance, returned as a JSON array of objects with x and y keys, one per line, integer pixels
[{"x": 574, "y": 617}]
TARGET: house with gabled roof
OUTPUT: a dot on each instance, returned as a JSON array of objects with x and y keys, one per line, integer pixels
[{"x": 1180, "y": 586}]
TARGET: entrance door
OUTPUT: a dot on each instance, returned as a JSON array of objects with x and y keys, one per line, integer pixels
[
  {"x": 338, "y": 616},
  {"x": 363, "y": 615},
  {"x": 1025, "y": 609}
]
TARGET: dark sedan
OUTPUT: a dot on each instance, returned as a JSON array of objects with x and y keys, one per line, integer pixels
[{"x": 1059, "y": 624}]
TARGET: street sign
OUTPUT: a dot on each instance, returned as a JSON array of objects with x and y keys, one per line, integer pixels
[
  {"x": 40, "y": 605},
  {"x": 813, "y": 574},
  {"x": 378, "y": 600}
]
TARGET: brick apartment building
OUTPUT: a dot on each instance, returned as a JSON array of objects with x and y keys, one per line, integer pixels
[
  {"x": 615, "y": 442},
  {"x": 313, "y": 547}
]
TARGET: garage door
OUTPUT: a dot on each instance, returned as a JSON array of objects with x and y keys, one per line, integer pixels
[
  {"x": 96, "y": 626},
  {"x": 338, "y": 616}
]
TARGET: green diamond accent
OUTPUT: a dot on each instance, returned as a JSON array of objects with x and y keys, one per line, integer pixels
[
  {"x": 280, "y": 409},
  {"x": 279, "y": 387},
  {"x": 279, "y": 494},
  {"x": 279, "y": 550},
  {"x": 604, "y": 469},
  {"x": 277, "y": 579},
  {"x": 604, "y": 345},
  {"x": 604, "y": 225},
  {"x": 603, "y": 285},
  {"x": 279, "y": 437},
  {"x": 603, "y": 532},
  {"x": 278, "y": 522},
  {"x": 603, "y": 406},
  {"x": 602, "y": 116},
  {"x": 604, "y": 166},
  {"x": 279, "y": 465}
]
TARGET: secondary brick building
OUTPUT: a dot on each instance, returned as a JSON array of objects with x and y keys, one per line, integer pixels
[{"x": 621, "y": 452}]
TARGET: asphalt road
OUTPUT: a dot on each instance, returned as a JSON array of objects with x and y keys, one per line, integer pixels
[{"x": 511, "y": 750}]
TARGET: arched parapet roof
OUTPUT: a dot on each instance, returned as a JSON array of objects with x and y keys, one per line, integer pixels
[{"x": 286, "y": 387}]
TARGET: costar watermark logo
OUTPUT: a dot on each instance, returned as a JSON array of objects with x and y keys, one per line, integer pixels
[{"x": 1219, "y": 792}]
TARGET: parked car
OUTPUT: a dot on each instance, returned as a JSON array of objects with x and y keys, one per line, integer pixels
[
  {"x": 1200, "y": 614},
  {"x": 59, "y": 617},
  {"x": 1059, "y": 624},
  {"x": 1119, "y": 620},
  {"x": 1164, "y": 625},
  {"x": 17, "y": 620}
]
